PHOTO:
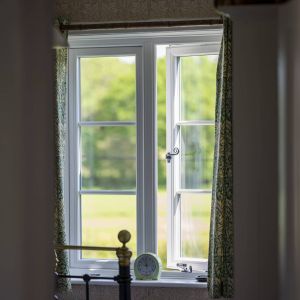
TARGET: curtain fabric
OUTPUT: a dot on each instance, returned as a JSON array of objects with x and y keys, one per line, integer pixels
[
  {"x": 60, "y": 133},
  {"x": 220, "y": 261}
]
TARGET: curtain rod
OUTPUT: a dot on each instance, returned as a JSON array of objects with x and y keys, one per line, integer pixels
[{"x": 141, "y": 24}]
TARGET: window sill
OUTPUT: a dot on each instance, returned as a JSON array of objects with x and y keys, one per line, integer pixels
[
  {"x": 168, "y": 279},
  {"x": 150, "y": 283}
]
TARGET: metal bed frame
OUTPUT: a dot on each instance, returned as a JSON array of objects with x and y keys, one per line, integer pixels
[{"x": 123, "y": 278}]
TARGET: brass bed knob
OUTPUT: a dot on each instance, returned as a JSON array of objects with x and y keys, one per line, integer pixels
[
  {"x": 123, "y": 253},
  {"x": 124, "y": 236}
]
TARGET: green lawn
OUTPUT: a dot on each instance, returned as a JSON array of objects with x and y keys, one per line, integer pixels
[{"x": 104, "y": 216}]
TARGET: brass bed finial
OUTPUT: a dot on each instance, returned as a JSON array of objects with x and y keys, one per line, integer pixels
[{"x": 123, "y": 253}]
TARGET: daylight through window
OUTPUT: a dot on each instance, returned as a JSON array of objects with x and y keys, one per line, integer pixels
[{"x": 132, "y": 100}]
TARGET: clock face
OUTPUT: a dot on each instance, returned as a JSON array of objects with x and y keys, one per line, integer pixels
[{"x": 147, "y": 267}]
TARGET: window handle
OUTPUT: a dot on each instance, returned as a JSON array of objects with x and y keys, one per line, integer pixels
[{"x": 170, "y": 154}]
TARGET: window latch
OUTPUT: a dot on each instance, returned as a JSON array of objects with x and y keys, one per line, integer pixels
[{"x": 170, "y": 154}]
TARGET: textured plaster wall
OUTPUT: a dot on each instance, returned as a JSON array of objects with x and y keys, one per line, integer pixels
[
  {"x": 85, "y": 11},
  {"x": 99, "y": 292}
]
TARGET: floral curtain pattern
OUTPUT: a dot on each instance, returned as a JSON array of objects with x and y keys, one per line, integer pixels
[
  {"x": 220, "y": 262},
  {"x": 60, "y": 133}
]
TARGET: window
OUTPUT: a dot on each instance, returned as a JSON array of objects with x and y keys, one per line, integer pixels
[{"x": 133, "y": 97}]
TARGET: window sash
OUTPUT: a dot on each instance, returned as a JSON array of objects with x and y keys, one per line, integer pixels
[
  {"x": 174, "y": 125},
  {"x": 75, "y": 123}
]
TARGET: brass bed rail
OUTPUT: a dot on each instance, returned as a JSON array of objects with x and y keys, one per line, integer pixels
[
  {"x": 95, "y": 248},
  {"x": 123, "y": 253}
]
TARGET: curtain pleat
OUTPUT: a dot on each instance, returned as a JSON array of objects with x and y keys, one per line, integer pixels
[
  {"x": 60, "y": 135},
  {"x": 220, "y": 262}
]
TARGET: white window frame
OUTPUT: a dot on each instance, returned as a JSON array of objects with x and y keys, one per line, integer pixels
[
  {"x": 143, "y": 45},
  {"x": 174, "y": 53}
]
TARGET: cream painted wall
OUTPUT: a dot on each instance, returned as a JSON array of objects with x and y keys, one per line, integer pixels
[
  {"x": 255, "y": 148},
  {"x": 85, "y": 11},
  {"x": 26, "y": 151}
]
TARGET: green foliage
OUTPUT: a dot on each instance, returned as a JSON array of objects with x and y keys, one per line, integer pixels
[
  {"x": 198, "y": 92},
  {"x": 107, "y": 89},
  {"x": 108, "y": 94},
  {"x": 198, "y": 89}
]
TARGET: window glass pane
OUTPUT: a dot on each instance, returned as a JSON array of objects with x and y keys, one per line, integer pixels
[
  {"x": 198, "y": 87},
  {"x": 102, "y": 217},
  {"x": 196, "y": 158},
  {"x": 195, "y": 222},
  {"x": 108, "y": 157},
  {"x": 108, "y": 88}
]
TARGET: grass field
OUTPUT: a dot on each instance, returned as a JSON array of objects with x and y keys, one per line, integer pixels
[{"x": 104, "y": 216}]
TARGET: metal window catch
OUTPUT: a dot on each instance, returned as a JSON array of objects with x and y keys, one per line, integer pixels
[
  {"x": 184, "y": 268},
  {"x": 170, "y": 154}
]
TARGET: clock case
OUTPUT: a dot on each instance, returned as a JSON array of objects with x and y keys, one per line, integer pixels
[{"x": 155, "y": 275}]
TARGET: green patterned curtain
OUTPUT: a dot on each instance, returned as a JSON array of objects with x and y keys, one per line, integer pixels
[
  {"x": 60, "y": 133},
  {"x": 220, "y": 261}
]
